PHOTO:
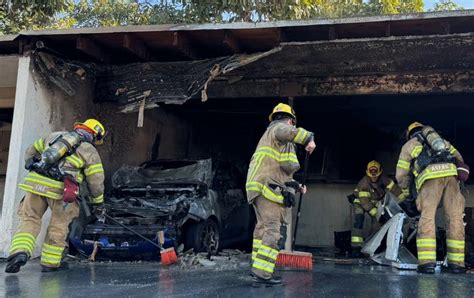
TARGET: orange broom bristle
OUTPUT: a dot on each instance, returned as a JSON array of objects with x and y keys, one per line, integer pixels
[
  {"x": 295, "y": 259},
  {"x": 168, "y": 256}
]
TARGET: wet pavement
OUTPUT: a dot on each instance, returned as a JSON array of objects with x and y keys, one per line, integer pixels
[{"x": 153, "y": 280}]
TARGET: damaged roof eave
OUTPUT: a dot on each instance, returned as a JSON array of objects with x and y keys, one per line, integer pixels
[
  {"x": 249, "y": 25},
  {"x": 303, "y": 62},
  {"x": 190, "y": 83},
  {"x": 185, "y": 42}
]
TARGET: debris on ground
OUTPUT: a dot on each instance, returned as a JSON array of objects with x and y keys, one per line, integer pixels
[
  {"x": 226, "y": 259},
  {"x": 188, "y": 260}
]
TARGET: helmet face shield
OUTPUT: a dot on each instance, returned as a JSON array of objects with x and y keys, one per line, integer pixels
[
  {"x": 96, "y": 128},
  {"x": 413, "y": 128},
  {"x": 374, "y": 172},
  {"x": 374, "y": 169}
]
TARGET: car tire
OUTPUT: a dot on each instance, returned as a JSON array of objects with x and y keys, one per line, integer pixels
[{"x": 203, "y": 236}]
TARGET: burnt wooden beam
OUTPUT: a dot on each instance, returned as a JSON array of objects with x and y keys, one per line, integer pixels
[
  {"x": 183, "y": 45},
  {"x": 279, "y": 35},
  {"x": 332, "y": 33},
  {"x": 231, "y": 42},
  {"x": 137, "y": 47},
  {"x": 26, "y": 44},
  {"x": 388, "y": 29},
  {"x": 90, "y": 48},
  {"x": 446, "y": 25},
  {"x": 407, "y": 83}
]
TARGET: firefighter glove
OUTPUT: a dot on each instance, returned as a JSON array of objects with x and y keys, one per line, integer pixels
[
  {"x": 289, "y": 198},
  {"x": 30, "y": 162}
]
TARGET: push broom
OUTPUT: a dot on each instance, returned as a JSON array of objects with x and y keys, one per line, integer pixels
[
  {"x": 297, "y": 259},
  {"x": 168, "y": 256}
]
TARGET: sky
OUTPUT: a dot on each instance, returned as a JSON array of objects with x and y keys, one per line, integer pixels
[{"x": 464, "y": 3}]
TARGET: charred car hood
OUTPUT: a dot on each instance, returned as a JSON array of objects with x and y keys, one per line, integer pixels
[
  {"x": 199, "y": 172},
  {"x": 163, "y": 203}
]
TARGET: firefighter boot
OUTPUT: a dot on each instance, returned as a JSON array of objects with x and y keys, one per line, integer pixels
[
  {"x": 63, "y": 266},
  {"x": 15, "y": 261},
  {"x": 428, "y": 268},
  {"x": 454, "y": 269},
  {"x": 259, "y": 282}
]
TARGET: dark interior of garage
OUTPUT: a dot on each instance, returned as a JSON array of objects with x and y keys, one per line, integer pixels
[{"x": 349, "y": 130}]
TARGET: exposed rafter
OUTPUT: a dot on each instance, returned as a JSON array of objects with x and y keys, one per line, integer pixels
[
  {"x": 183, "y": 45},
  {"x": 91, "y": 48},
  {"x": 137, "y": 47},
  {"x": 231, "y": 42}
]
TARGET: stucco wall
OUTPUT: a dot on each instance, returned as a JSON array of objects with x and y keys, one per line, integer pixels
[
  {"x": 33, "y": 115},
  {"x": 324, "y": 209},
  {"x": 40, "y": 109}
]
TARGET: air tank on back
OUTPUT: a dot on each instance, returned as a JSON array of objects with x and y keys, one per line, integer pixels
[
  {"x": 435, "y": 141},
  {"x": 58, "y": 148}
]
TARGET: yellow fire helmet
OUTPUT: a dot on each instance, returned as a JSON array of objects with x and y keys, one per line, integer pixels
[
  {"x": 373, "y": 169},
  {"x": 282, "y": 108},
  {"x": 412, "y": 126},
  {"x": 96, "y": 127}
]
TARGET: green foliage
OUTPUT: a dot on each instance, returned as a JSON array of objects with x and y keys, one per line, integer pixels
[
  {"x": 377, "y": 7},
  {"x": 55, "y": 14},
  {"x": 444, "y": 5},
  {"x": 16, "y": 15},
  {"x": 104, "y": 13}
]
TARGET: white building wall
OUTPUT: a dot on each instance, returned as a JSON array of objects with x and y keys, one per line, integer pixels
[
  {"x": 38, "y": 111},
  {"x": 29, "y": 121}
]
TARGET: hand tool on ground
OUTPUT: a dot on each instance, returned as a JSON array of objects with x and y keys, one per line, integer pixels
[
  {"x": 297, "y": 259},
  {"x": 168, "y": 256}
]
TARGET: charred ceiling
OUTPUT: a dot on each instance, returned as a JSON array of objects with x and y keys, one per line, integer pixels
[
  {"x": 349, "y": 67},
  {"x": 402, "y": 65},
  {"x": 407, "y": 65}
]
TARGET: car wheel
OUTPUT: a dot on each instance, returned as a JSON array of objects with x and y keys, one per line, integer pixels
[{"x": 204, "y": 236}]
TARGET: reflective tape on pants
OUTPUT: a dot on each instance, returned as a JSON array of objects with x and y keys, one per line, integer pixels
[
  {"x": 426, "y": 242},
  {"x": 427, "y": 255},
  {"x": 456, "y": 244},
  {"x": 263, "y": 265},
  {"x": 455, "y": 257}
]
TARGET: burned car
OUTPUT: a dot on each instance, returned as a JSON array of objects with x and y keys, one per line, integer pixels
[{"x": 198, "y": 203}]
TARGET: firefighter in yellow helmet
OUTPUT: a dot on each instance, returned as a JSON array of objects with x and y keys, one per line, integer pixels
[
  {"x": 271, "y": 188},
  {"x": 369, "y": 191},
  {"x": 57, "y": 164},
  {"x": 428, "y": 162}
]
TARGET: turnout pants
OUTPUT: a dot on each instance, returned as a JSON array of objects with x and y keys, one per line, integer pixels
[
  {"x": 432, "y": 192},
  {"x": 357, "y": 232},
  {"x": 31, "y": 211},
  {"x": 270, "y": 217}
]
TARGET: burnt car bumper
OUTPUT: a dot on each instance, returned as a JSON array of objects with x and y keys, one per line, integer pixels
[{"x": 116, "y": 243}]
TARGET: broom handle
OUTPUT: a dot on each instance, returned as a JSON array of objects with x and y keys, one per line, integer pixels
[
  {"x": 131, "y": 230},
  {"x": 305, "y": 176}
]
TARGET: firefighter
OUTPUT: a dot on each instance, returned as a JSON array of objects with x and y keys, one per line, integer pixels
[
  {"x": 57, "y": 165},
  {"x": 271, "y": 188},
  {"x": 369, "y": 191},
  {"x": 431, "y": 161}
]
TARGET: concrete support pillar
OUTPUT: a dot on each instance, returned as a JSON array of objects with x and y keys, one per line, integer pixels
[{"x": 31, "y": 119}]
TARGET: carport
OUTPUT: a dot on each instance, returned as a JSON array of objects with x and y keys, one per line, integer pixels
[{"x": 356, "y": 82}]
